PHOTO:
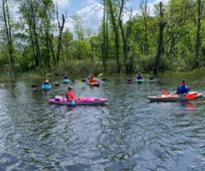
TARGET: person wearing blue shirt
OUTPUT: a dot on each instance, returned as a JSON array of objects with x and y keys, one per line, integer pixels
[
  {"x": 183, "y": 88},
  {"x": 139, "y": 76}
]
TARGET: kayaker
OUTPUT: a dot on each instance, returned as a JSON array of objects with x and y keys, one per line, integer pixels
[
  {"x": 92, "y": 79},
  {"x": 46, "y": 82},
  {"x": 70, "y": 94},
  {"x": 183, "y": 88},
  {"x": 65, "y": 77},
  {"x": 139, "y": 76}
]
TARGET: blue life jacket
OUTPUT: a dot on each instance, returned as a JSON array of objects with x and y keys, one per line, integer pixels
[
  {"x": 183, "y": 89},
  {"x": 139, "y": 77}
]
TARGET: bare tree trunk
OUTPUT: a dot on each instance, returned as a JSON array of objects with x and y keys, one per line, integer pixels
[
  {"x": 160, "y": 42},
  {"x": 145, "y": 14},
  {"x": 47, "y": 35},
  {"x": 105, "y": 38},
  {"x": 60, "y": 27},
  {"x": 38, "y": 53},
  {"x": 7, "y": 24},
  {"x": 33, "y": 32},
  {"x": 198, "y": 33},
  {"x": 51, "y": 48},
  {"x": 116, "y": 32},
  {"x": 125, "y": 33}
]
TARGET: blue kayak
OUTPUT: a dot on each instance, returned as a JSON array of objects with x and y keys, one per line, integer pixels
[
  {"x": 46, "y": 87},
  {"x": 139, "y": 80},
  {"x": 66, "y": 81}
]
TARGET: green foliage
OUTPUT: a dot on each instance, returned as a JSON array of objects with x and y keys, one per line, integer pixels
[{"x": 84, "y": 54}]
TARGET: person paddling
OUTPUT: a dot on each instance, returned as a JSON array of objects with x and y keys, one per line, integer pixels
[
  {"x": 139, "y": 76},
  {"x": 46, "y": 82},
  {"x": 65, "y": 77},
  {"x": 183, "y": 89},
  {"x": 70, "y": 94},
  {"x": 92, "y": 79}
]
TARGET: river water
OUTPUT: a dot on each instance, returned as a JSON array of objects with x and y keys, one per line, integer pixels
[{"x": 128, "y": 134}]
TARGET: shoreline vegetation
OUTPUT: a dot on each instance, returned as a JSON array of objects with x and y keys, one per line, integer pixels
[
  {"x": 155, "y": 44},
  {"x": 56, "y": 75}
]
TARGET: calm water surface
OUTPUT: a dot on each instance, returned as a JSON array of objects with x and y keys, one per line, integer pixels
[{"x": 129, "y": 134}]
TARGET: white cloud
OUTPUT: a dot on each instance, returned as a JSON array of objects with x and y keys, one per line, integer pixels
[
  {"x": 151, "y": 6},
  {"x": 92, "y": 13},
  {"x": 63, "y": 5},
  {"x": 91, "y": 16}
]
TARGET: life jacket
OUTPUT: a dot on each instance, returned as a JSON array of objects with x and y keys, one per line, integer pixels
[
  {"x": 182, "y": 89},
  {"x": 70, "y": 95},
  {"x": 93, "y": 80}
]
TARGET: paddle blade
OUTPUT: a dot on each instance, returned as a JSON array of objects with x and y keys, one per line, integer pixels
[{"x": 100, "y": 75}]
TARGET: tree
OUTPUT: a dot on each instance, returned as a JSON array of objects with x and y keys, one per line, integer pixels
[
  {"x": 198, "y": 32},
  {"x": 144, "y": 9},
  {"x": 60, "y": 28},
  {"x": 105, "y": 43},
  {"x": 160, "y": 41},
  {"x": 8, "y": 30},
  {"x": 115, "y": 26},
  {"x": 125, "y": 34}
]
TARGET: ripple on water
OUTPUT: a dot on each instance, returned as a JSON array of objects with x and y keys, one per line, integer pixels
[{"x": 130, "y": 133}]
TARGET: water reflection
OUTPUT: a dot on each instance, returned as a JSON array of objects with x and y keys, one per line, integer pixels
[{"x": 189, "y": 105}]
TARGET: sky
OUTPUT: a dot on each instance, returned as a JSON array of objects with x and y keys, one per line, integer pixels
[
  {"x": 71, "y": 7},
  {"x": 91, "y": 11}
]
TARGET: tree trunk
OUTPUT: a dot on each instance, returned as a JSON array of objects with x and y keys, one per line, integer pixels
[
  {"x": 146, "y": 46},
  {"x": 51, "y": 48},
  {"x": 160, "y": 42},
  {"x": 116, "y": 32},
  {"x": 7, "y": 24},
  {"x": 33, "y": 32},
  {"x": 47, "y": 35},
  {"x": 125, "y": 34},
  {"x": 60, "y": 26},
  {"x": 105, "y": 38},
  {"x": 198, "y": 33}
]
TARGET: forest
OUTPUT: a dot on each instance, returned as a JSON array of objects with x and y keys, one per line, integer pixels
[{"x": 34, "y": 38}]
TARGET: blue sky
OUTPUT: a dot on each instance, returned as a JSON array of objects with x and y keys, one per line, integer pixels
[
  {"x": 91, "y": 11},
  {"x": 72, "y": 6}
]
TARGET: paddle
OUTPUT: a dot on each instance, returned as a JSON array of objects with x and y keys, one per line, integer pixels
[
  {"x": 34, "y": 85},
  {"x": 101, "y": 75},
  {"x": 57, "y": 84}
]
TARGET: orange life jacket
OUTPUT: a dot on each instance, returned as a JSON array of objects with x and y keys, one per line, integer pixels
[
  {"x": 93, "y": 80},
  {"x": 70, "y": 95}
]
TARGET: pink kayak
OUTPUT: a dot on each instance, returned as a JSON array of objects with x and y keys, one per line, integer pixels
[
  {"x": 175, "y": 98},
  {"x": 80, "y": 101}
]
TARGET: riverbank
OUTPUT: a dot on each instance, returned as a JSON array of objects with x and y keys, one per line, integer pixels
[{"x": 77, "y": 72}]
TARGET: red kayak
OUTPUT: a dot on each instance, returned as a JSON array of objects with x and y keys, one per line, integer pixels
[
  {"x": 175, "y": 97},
  {"x": 80, "y": 101},
  {"x": 97, "y": 83}
]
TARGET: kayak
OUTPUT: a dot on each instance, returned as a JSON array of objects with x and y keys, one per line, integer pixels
[
  {"x": 66, "y": 81},
  {"x": 175, "y": 97},
  {"x": 97, "y": 84},
  {"x": 139, "y": 81},
  {"x": 80, "y": 101},
  {"x": 46, "y": 87}
]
